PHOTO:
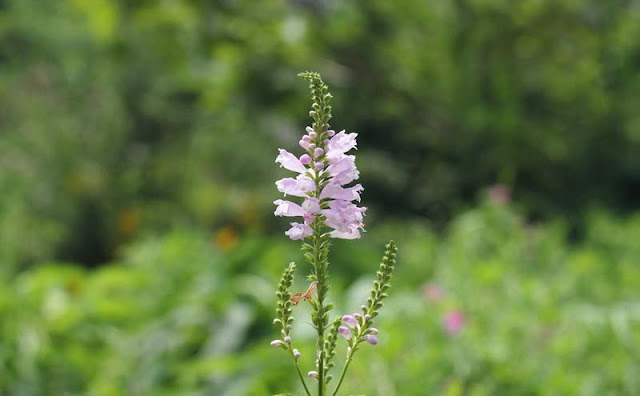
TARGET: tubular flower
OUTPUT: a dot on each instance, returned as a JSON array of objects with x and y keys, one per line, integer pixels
[{"x": 323, "y": 183}]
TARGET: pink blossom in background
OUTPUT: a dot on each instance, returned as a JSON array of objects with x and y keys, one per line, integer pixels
[
  {"x": 454, "y": 321},
  {"x": 499, "y": 194},
  {"x": 433, "y": 292}
]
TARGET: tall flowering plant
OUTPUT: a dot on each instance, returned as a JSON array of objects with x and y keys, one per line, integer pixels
[{"x": 326, "y": 205}]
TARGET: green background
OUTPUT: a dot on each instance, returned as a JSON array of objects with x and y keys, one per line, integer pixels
[{"x": 139, "y": 253}]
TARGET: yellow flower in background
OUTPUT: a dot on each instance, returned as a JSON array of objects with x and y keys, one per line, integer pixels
[{"x": 225, "y": 238}]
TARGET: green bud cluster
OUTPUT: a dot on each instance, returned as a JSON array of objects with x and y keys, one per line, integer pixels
[
  {"x": 284, "y": 310},
  {"x": 320, "y": 108},
  {"x": 330, "y": 346},
  {"x": 381, "y": 285}
]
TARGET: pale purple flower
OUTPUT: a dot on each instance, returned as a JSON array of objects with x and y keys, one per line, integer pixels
[
  {"x": 344, "y": 170},
  {"x": 335, "y": 191},
  {"x": 311, "y": 205},
  {"x": 350, "y": 321},
  {"x": 371, "y": 339},
  {"x": 288, "y": 208},
  {"x": 454, "y": 321},
  {"x": 324, "y": 164},
  {"x": 345, "y": 332},
  {"x": 298, "y": 231},
  {"x": 341, "y": 143},
  {"x": 345, "y": 218},
  {"x": 298, "y": 187},
  {"x": 290, "y": 161}
]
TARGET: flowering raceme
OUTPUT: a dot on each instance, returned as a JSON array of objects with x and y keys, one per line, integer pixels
[
  {"x": 324, "y": 181},
  {"x": 323, "y": 173}
]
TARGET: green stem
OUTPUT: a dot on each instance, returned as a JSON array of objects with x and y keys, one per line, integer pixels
[
  {"x": 344, "y": 370},
  {"x": 320, "y": 275},
  {"x": 295, "y": 362}
]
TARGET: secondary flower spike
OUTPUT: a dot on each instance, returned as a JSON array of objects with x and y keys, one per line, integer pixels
[{"x": 323, "y": 185}]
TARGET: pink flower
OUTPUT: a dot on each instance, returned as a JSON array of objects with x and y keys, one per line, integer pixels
[
  {"x": 454, "y": 321},
  {"x": 350, "y": 321},
  {"x": 345, "y": 332},
  {"x": 340, "y": 144},
  {"x": 298, "y": 187},
  {"x": 298, "y": 231},
  {"x": 345, "y": 218},
  {"x": 290, "y": 161},
  {"x": 333, "y": 170},
  {"x": 287, "y": 208},
  {"x": 499, "y": 194},
  {"x": 334, "y": 191},
  {"x": 433, "y": 292},
  {"x": 344, "y": 170},
  {"x": 311, "y": 205}
]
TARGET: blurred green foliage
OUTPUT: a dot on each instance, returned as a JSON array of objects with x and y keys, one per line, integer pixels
[
  {"x": 122, "y": 116},
  {"x": 180, "y": 316},
  {"x": 141, "y": 135}
]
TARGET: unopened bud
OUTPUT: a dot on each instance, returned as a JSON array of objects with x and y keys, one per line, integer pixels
[
  {"x": 371, "y": 339},
  {"x": 305, "y": 159},
  {"x": 345, "y": 332}
]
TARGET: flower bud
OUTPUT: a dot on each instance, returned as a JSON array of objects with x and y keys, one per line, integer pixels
[
  {"x": 308, "y": 129},
  {"x": 345, "y": 332},
  {"x": 312, "y": 374},
  {"x": 373, "y": 331},
  {"x": 371, "y": 339},
  {"x": 296, "y": 354},
  {"x": 318, "y": 152},
  {"x": 277, "y": 343},
  {"x": 331, "y": 132},
  {"x": 304, "y": 144},
  {"x": 287, "y": 339},
  {"x": 305, "y": 159},
  {"x": 350, "y": 321},
  {"x": 312, "y": 146},
  {"x": 319, "y": 165},
  {"x": 367, "y": 317},
  {"x": 312, "y": 134}
]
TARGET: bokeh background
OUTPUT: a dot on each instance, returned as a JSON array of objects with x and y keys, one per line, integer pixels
[{"x": 499, "y": 145}]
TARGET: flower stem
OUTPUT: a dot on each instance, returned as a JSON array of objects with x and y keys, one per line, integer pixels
[
  {"x": 295, "y": 362},
  {"x": 344, "y": 370}
]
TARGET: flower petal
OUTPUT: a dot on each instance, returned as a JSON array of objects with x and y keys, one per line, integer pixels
[{"x": 290, "y": 161}]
